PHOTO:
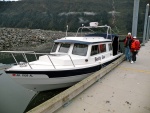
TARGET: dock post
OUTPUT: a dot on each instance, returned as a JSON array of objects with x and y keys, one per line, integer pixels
[
  {"x": 148, "y": 27},
  {"x": 135, "y": 17},
  {"x": 145, "y": 24}
]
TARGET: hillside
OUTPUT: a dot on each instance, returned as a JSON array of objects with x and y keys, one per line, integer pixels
[{"x": 56, "y": 14}]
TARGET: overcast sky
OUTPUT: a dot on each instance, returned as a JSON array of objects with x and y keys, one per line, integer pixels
[{"x": 8, "y": 0}]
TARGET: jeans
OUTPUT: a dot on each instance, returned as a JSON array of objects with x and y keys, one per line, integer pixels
[
  {"x": 128, "y": 53},
  {"x": 134, "y": 56}
]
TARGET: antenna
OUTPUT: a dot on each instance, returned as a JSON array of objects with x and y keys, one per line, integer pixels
[{"x": 66, "y": 30}]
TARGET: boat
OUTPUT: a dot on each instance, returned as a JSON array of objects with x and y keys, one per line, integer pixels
[{"x": 71, "y": 59}]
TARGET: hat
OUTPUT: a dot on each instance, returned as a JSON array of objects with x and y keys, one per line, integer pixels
[
  {"x": 134, "y": 37},
  {"x": 129, "y": 33}
]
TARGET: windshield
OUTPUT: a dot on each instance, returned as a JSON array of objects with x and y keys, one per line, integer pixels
[
  {"x": 64, "y": 47},
  {"x": 80, "y": 49},
  {"x": 54, "y": 47}
]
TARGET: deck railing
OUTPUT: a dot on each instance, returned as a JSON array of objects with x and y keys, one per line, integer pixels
[{"x": 24, "y": 53}]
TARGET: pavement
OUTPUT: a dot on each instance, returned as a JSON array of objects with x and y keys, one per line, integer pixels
[{"x": 126, "y": 89}]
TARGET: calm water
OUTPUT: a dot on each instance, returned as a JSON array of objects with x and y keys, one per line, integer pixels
[{"x": 13, "y": 97}]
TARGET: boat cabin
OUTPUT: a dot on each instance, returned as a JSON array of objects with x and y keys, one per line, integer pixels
[{"x": 87, "y": 48}]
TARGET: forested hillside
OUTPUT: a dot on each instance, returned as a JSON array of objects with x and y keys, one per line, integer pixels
[{"x": 56, "y": 14}]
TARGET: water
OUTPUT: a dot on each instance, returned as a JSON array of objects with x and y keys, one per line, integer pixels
[{"x": 13, "y": 97}]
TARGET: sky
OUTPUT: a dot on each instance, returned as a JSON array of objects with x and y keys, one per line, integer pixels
[{"x": 8, "y": 0}]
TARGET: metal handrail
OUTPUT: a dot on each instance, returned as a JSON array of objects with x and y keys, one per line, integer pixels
[
  {"x": 32, "y": 52},
  {"x": 51, "y": 62},
  {"x": 14, "y": 58},
  {"x": 24, "y": 55},
  {"x": 91, "y": 27},
  {"x": 71, "y": 60}
]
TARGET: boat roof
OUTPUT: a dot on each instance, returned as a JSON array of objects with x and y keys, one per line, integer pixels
[
  {"x": 83, "y": 40},
  {"x": 90, "y": 38}
]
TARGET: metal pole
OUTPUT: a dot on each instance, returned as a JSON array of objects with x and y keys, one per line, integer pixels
[
  {"x": 135, "y": 17},
  {"x": 145, "y": 24},
  {"x": 148, "y": 27}
]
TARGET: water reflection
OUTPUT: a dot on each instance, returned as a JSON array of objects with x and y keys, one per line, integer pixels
[{"x": 43, "y": 96}]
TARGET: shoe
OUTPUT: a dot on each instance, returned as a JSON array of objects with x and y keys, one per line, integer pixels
[{"x": 132, "y": 62}]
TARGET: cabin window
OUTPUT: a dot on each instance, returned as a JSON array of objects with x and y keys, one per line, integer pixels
[
  {"x": 102, "y": 48},
  {"x": 80, "y": 49},
  {"x": 54, "y": 47},
  {"x": 95, "y": 50},
  {"x": 110, "y": 46},
  {"x": 64, "y": 48}
]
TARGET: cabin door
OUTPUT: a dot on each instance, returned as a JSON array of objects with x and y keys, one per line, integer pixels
[{"x": 115, "y": 45}]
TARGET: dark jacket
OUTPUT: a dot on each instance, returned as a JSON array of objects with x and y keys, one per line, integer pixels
[{"x": 127, "y": 41}]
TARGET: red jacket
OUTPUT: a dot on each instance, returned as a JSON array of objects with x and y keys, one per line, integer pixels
[{"x": 135, "y": 45}]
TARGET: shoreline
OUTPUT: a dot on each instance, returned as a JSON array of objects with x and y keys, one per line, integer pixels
[{"x": 15, "y": 39}]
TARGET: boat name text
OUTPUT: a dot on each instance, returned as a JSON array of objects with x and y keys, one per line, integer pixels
[
  {"x": 103, "y": 57},
  {"x": 97, "y": 58}
]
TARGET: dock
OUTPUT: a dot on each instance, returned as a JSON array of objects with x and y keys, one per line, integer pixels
[{"x": 121, "y": 87}]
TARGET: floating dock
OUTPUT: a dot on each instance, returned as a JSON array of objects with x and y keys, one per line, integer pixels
[{"x": 120, "y": 87}]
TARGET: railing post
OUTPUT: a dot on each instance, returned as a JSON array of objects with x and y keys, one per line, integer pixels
[
  {"x": 71, "y": 60},
  {"x": 14, "y": 58},
  {"x": 35, "y": 55},
  {"x": 26, "y": 60},
  {"x": 51, "y": 62},
  {"x": 145, "y": 24}
]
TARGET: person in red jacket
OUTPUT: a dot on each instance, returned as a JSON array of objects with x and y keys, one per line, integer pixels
[{"x": 135, "y": 47}]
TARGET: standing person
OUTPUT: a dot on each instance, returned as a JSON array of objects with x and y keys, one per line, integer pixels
[
  {"x": 127, "y": 44},
  {"x": 115, "y": 45},
  {"x": 135, "y": 47}
]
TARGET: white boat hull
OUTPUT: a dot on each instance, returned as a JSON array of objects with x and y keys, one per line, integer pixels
[
  {"x": 40, "y": 80},
  {"x": 44, "y": 83}
]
